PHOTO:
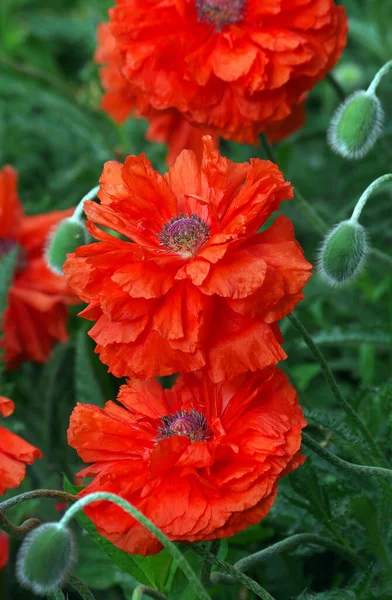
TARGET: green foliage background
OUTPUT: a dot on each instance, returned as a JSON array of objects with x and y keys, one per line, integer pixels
[{"x": 53, "y": 132}]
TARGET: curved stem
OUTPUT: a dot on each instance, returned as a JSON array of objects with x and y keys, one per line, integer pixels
[
  {"x": 378, "y": 76},
  {"x": 36, "y": 494},
  {"x": 142, "y": 590},
  {"x": 80, "y": 587},
  {"x": 270, "y": 152},
  {"x": 366, "y": 195},
  {"x": 80, "y": 207},
  {"x": 284, "y": 546},
  {"x": 136, "y": 514},
  {"x": 205, "y": 575},
  {"x": 341, "y": 94},
  {"x": 310, "y": 213},
  {"x": 57, "y": 595},
  {"x": 344, "y": 464},
  {"x": 17, "y": 530},
  {"x": 237, "y": 575},
  {"x": 357, "y": 421}
]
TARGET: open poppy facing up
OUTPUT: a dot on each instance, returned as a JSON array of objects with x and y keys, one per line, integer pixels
[
  {"x": 36, "y": 311},
  {"x": 15, "y": 453},
  {"x": 198, "y": 286},
  {"x": 232, "y": 66},
  {"x": 202, "y": 461}
]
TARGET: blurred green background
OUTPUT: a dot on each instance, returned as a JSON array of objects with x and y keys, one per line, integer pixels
[{"x": 53, "y": 132}]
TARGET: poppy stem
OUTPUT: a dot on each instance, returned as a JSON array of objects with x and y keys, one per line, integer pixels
[
  {"x": 205, "y": 575},
  {"x": 142, "y": 590},
  {"x": 80, "y": 587},
  {"x": 310, "y": 214},
  {"x": 286, "y": 545},
  {"x": 17, "y": 530},
  {"x": 327, "y": 372},
  {"x": 373, "y": 187},
  {"x": 233, "y": 572},
  {"x": 78, "y": 212},
  {"x": 341, "y": 94},
  {"x": 344, "y": 464},
  {"x": 36, "y": 494},
  {"x": 57, "y": 595},
  {"x": 136, "y": 514}
]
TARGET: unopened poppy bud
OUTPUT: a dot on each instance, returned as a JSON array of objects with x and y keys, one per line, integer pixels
[
  {"x": 69, "y": 235},
  {"x": 46, "y": 558},
  {"x": 343, "y": 253},
  {"x": 356, "y": 125}
]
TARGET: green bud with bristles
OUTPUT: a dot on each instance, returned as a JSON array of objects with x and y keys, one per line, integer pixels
[
  {"x": 356, "y": 125},
  {"x": 343, "y": 253},
  {"x": 64, "y": 239},
  {"x": 46, "y": 558}
]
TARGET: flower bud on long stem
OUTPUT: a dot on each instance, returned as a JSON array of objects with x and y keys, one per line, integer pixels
[{"x": 358, "y": 122}]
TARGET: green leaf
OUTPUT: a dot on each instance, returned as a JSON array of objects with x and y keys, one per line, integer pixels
[
  {"x": 7, "y": 266},
  {"x": 88, "y": 389},
  {"x": 150, "y": 570}
]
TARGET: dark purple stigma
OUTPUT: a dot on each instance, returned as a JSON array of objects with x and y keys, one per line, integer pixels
[
  {"x": 184, "y": 234},
  {"x": 190, "y": 424},
  {"x": 220, "y": 12}
]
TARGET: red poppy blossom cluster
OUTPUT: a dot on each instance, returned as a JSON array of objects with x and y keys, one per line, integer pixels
[
  {"x": 236, "y": 67},
  {"x": 202, "y": 461},
  {"x": 192, "y": 284},
  {"x": 15, "y": 453},
  {"x": 36, "y": 305}
]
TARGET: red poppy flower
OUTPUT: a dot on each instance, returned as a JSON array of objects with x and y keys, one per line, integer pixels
[
  {"x": 202, "y": 460},
  {"x": 199, "y": 285},
  {"x": 15, "y": 453},
  {"x": 168, "y": 127},
  {"x": 4, "y": 550},
  {"x": 235, "y": 66},
  {"x": 36, "y": 313}
]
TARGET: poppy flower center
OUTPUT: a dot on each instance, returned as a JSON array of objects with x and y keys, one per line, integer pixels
[
  {"x": 220, "y": 12},
  {"x": 184, "y": 235},
  {"x": 190, "y": 424},
  {"x": 6, "y": 246}
]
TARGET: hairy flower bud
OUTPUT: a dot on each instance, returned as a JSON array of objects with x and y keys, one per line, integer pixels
[
  {"x": 343, "y": 253},
  {"x": 356, "y": 125},
  {"x": 69, "y": 235},
  {"x": 46, "y": 558}
]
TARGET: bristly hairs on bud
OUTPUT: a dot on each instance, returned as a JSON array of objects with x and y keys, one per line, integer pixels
[
  {"x": 358, "y": 122},
  {"x": 343, "y": 252},
  {"x": 46, "y": 558},
  {"x": 67, "y": 235}
]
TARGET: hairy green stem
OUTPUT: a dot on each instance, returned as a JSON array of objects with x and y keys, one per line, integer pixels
[
  {"x": 341, "y": 94},
  {"x": 78, "y": 212},
  {"x": 378, "y": 76},
  {"x": 80, "y": 587},
  {"x": 36, "y": 494},
  {"x": 252, "y": 585},
  {"x": 143, "y": 590},
  {"x": 284, "y": 546},
  {"x": 310, "y": 213},
  {"x": 17, "y": 530},
  {"x": 327, "y": 372},
  {"x": 136, "y": 514},
  {"x": 344, "y": 464},
  {"x": 366, "y": 195},
  {"x": 205, "y": 574}
]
